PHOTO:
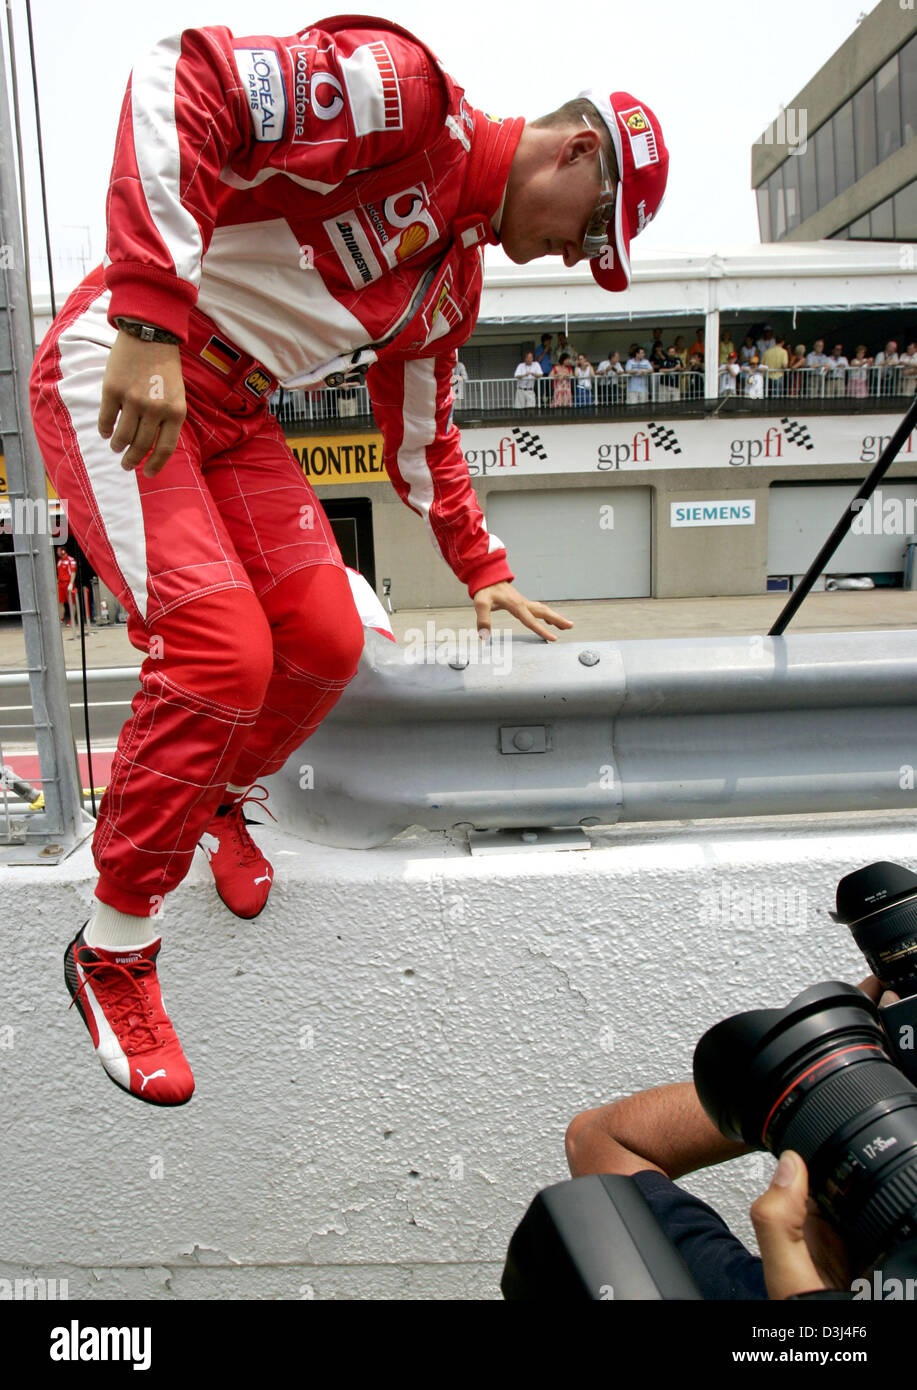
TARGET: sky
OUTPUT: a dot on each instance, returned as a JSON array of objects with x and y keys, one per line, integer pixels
[{"x": 716, "y": 73}]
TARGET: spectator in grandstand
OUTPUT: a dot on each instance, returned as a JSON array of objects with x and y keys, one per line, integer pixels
[
  {"x": 776, "y": 359},
  {"x": 836, "y": 384},
  {"x": 585, "y": 377},
  {"x": 348, "y": 402},
  {"x": 697, "y": 347},
  {"x": 767, "y": 340},
  {"x": 638, "y": 370},
  {"x": 608, "y": 374},
  {"x": 657, "y": 355},
  {"x": 747, "y": 350},
  {"x": 817, "y": 364},
  {"x": 564, "y": 345},
  {"x": 657, "y": 342},
  {"x": 727, "y": 346},
  {"x": 670, "y": 370},
  {"x": 858, "y": 374},
  {"x": 459, "y": 377},
  {"x": 907, "y": 383},
  {"x": 562, "y": 373},
  {"x": 680, "y": 350},
  {"x": 693, "y": 382},
  {"x": 729, "y": 373},
  {"x": 795, "y": 378},
  {"x": 887, "y": 377},
  {"x": 543, "y": 356},
  {"x": 754, "y": 379},
  {"x": 527, "y": 375}
]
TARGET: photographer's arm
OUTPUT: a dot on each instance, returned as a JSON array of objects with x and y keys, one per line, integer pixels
[{"x": 665, "y": 1129}]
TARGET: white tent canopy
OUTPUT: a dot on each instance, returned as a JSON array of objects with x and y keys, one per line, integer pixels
[{"x": 791, "y": 275}]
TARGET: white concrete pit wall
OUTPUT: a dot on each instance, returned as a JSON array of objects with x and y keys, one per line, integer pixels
[{"x": 387, "y": 1059}]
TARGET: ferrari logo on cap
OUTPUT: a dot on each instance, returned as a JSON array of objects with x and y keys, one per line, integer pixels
[{"x": 641, "y": 136}]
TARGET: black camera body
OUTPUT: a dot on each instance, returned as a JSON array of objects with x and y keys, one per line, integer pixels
[
  {"x": 593, "y": 1238},
  {"x": 818, "y": 1077}
]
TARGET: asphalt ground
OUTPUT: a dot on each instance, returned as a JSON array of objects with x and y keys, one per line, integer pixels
[{"x": 611, "y": 620}]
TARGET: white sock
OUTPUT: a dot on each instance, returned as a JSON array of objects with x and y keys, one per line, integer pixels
[{"x": 117, "y": 931}]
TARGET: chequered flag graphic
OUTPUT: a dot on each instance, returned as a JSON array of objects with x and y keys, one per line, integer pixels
[
  {"x": 530, "y": 443},
  {"x": 664, "y": 438},
  {"x": 797, "y": 433}
]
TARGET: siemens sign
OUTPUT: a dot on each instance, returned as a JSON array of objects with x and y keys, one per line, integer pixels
[{"x": 740, "y": 513}]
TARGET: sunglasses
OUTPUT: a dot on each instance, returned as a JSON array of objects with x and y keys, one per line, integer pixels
[{"x": 597, "y": 238}]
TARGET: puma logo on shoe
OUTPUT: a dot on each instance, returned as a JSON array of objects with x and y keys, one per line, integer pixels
[
  {"x": 209, "y": 844},
  {"x": 152, "y": 1076},
  {"x": 265, "y": 878}
]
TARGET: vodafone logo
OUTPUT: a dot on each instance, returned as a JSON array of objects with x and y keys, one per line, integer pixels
[
  {"x": 324, "y": 107},
  {"x": 401, "y": 209}
]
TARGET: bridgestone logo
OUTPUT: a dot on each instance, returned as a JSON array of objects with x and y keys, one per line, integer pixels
[{"x": 350, "y": 242}]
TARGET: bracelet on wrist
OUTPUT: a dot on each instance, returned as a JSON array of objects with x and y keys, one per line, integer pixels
[{"x": 146, "y": 332}]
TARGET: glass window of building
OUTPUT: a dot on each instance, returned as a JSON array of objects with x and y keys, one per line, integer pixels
[
  {"x": 791, "y": 192},
  {"x": 905, "y": 201},
  {"x": 882, "y": 223},
  {"x": 844, "y": 165},
  {"x": 907, "y": 60},
  {"x": 824, "y": 164},
  {"x": 764, "y": 221},
  {"x": 864, "y": 129},
  {"x": 777, "y": 205},
  {"x": 808, "y": 194},
  {"x": 888, "y": 109}
]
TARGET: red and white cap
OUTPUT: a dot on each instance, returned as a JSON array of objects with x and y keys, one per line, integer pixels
[{"x": 643, "y": 168}]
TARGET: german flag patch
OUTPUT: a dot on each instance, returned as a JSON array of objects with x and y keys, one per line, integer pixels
[{"x": 220, "y": 355}]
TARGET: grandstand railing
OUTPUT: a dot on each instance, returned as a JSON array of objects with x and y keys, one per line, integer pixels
[{"x": 612, "y": 392}]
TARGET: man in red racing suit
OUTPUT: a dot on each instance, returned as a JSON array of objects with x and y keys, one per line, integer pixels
[{"x": 281, "y": 211}]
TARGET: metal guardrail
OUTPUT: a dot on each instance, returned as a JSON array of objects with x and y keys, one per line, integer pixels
[
  {"x": 516, "y": 734},
  {"x": 500, "y": 395}
]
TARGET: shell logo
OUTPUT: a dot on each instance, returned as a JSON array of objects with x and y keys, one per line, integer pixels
[{"x": 415, "y": 236}]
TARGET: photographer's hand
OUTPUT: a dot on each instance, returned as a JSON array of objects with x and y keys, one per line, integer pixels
[{"x": 799, "y": 1249}]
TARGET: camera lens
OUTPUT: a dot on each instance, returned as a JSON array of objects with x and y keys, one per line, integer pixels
[
  {"x": 816, "y": 1077},
  {"x": 879, "y": 905}
]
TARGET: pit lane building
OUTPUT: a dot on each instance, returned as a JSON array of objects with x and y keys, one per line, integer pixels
[{"x": 696, "y": 496}]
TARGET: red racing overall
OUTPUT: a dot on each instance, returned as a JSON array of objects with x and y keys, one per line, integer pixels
[{"x": 290, "y": 208}]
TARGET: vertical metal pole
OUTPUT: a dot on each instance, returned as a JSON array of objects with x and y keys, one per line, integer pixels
[
  {"x": 712, "y": 343},
  {"x": 28, "y": 494},
  {"x": 845, "y": 521}
]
